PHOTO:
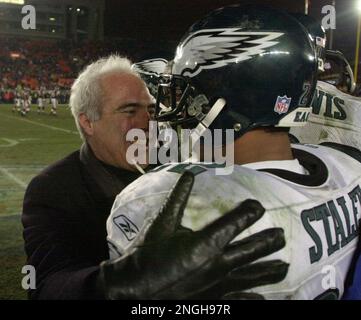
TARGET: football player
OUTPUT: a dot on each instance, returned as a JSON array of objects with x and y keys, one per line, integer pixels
[
  {"x": 41, "y": 100},
  {"x": 54, "y": 101},
  {"x": 336, "y": 114},
  {"x": 335, "y": 120},
  {"x": 17, "y": 101},
  {"x": 253, "y": 70},
  {"x": 24, "y": 102}
]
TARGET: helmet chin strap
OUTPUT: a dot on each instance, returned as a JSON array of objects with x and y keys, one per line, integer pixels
[{"x": 204, "y": 124}]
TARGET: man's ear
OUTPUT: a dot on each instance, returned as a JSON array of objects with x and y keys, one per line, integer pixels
[{"x": 86, "y": 124}]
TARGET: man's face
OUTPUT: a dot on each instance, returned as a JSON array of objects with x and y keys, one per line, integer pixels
[{"x": 127, "y": 105}]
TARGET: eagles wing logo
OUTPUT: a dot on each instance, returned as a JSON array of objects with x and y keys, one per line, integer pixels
[
  {"x": 151, "y": 66},
  {"x": 215, "y": 48}
]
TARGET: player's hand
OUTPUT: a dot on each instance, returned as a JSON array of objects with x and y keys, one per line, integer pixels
[{"x": 177, "y": 263}]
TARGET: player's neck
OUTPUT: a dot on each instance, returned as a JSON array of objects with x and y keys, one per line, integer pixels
[{"x": 262, "y": 145}]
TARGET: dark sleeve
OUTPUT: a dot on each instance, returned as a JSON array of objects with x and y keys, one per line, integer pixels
[
  {"x": 353, "y": 292},
  {"x": 58, "y": 243}
]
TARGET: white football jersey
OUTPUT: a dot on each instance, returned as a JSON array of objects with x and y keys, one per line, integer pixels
[
  {"x": 320, "y": 214},
  {"x": 335, "y": 117}
]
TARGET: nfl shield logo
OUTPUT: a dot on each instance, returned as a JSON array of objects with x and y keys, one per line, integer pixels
[{"x": 282, "y": 104}]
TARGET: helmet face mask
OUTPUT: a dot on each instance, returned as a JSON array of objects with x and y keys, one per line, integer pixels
[
  {"x": 179, "y": 103},
  {"x": 259, "y": 60},
  {"x": 149, "y": 70},
  {"x": 321, "y": 52},
  {"x": 338, "y": 72}
]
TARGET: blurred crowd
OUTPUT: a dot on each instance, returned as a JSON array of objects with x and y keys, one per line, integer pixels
[{"x": 27, "y": 64}]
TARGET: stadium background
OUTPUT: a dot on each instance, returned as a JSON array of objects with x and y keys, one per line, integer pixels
[{"x": 69, "y": 34}]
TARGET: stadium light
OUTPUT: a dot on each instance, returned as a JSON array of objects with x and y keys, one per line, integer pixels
[
  {"x": 357, "y": 52},
  {"x": 14, "y": 55},
  {"x": 13, "y": 1},
  {"x": 306, "y": 6}
]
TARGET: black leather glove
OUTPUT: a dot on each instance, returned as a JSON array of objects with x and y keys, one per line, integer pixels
[{"x": 177, "y": 263}]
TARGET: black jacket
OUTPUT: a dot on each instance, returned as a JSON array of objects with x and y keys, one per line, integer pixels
[{"x": 64, "y": 217}]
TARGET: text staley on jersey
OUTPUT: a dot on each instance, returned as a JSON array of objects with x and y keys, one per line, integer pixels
[{"x": 330, "y": 214}]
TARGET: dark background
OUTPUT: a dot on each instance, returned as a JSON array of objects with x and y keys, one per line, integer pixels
[{"x": 156, "y": 20}]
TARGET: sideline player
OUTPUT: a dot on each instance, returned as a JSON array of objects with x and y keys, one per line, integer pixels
[
  {"x": 25, "y": 107},
  {"x": 41, "y": 100},
  {"x": 54, "y": 101},
  {"x": 17, "y": 101}
]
